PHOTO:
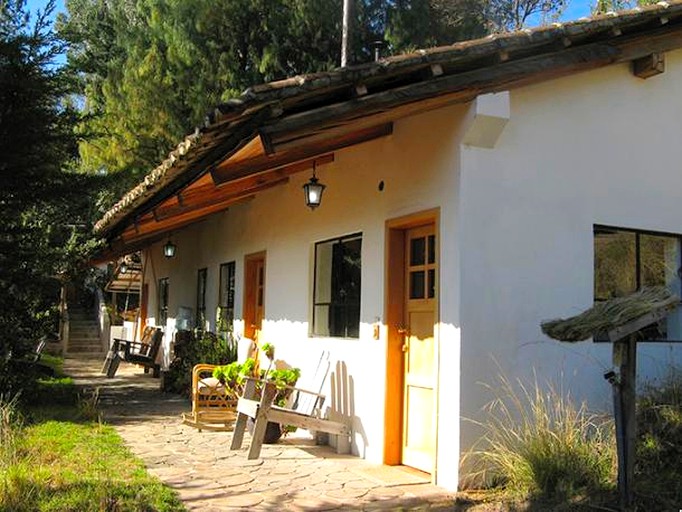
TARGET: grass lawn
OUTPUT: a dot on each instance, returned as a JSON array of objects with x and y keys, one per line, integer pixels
[{"x": 56, "y": 459}]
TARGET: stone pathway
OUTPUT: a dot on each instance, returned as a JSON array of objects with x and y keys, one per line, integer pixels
[{"x": 293, "y": 475}]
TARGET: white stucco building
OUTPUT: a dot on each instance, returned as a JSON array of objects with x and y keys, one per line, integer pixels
[{"x": 471, "y": 192}]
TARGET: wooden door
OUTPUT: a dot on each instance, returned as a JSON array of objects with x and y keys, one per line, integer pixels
[
  {"x": 420, "y": 289},
  {"x": 254, "y": 295}
]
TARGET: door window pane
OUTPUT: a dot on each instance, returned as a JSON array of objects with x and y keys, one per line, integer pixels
[
  {"x": 417, "y": 284},
  {"x": 417, "y": 251}
]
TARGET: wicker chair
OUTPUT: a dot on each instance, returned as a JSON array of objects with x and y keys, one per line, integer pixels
[{"x": 213, "y": 404}]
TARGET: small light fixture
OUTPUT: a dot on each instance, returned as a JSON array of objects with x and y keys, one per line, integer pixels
[
  {"x": 123, "y": 268},
  {"x": 313, "y": 191},
  {"x": 169, "y": 249}
]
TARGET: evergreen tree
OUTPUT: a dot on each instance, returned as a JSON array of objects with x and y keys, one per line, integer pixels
[
  {"x": 152, "y": 69},
  {"x": 42, "y": 207}
]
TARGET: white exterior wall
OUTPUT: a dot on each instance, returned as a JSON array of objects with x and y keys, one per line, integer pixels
[
  {"x": 419, "y": 165},
  {"x": 597, "y": 148}
]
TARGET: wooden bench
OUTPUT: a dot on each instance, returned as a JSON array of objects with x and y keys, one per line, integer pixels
[{"x": 143, "y": 352}]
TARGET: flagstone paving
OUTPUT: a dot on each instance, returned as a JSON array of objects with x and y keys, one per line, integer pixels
[{"x": 293, "y": 475}]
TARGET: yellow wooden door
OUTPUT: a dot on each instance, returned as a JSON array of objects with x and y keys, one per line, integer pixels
[{"x": 421, "y": 291}]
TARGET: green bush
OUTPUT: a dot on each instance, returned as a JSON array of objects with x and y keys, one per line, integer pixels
[
  {"x": 539, "y": 443},
  {"x": 190, "y": 350},
  {"x": 658, "y": 466}
]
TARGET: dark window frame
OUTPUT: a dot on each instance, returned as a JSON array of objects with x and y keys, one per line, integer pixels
[
  {"x": 202, "y": 281},
  {"x": 351, "y": 330},
  {"x": 162, "y": 296},
  {"x": 226, "y": 295}
]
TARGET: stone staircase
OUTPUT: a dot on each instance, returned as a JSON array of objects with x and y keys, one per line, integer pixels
[{"x": 84, "y": 338}]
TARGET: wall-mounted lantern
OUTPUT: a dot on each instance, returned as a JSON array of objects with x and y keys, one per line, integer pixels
[
  {"x": 169, "y": 249},
  {"x": 313, "y": 191}
]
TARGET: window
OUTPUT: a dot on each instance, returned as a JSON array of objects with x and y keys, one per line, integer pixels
[
  {"x": 626, "y": 260},
  {"x": 336, "y": 303},
  {"x": 226, "y": 297},
  {"x": 201, "y": 299},
  {"x": 162, "y": 300}
]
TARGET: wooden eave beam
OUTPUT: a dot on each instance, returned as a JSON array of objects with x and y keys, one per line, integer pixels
[
  {"x": 218, "y": 196},
  {"x": 305, "y": 149},
  {"x": 152, "y": 229}
]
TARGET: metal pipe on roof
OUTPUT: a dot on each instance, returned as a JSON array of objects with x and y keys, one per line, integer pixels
[{"x": 347, "y": 34}]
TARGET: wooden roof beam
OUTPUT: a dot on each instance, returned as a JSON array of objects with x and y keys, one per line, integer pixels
[
  {"x": 463, "y": 87},
  {"x": 302, "y": 149},
  {"x": 181, "y": 220},
  {"x": 218, "y": 196}
]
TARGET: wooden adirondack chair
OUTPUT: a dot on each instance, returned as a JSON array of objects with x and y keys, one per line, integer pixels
[
  {"x": 213, "y": 405},
  {"x": 305, "y": 411}
]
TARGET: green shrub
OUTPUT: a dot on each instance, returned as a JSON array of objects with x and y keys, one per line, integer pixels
[
  {"x": 190, "y": 350},
  {"x": 658, "y": 466},
  {"x": 539, "y": 443}
]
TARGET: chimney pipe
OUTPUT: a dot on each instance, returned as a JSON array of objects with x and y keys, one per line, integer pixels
[{"x": 347, "y": 35}]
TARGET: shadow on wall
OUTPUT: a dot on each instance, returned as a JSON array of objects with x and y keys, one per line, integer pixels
[{"x": 342, "y": 407}]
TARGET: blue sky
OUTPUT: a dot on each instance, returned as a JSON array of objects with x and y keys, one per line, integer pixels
[{"x": 575, "y": 9}]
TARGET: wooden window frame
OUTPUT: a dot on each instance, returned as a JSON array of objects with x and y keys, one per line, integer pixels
[{"x": 163, "y": 300}]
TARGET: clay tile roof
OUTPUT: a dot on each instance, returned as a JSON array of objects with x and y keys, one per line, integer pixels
[{"x": 233, "y": 121}]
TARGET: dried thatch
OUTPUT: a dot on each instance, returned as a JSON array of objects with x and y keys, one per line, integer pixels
[{"x": 608, "y": 315}]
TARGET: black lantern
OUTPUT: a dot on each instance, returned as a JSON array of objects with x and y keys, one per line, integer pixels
[
  {"x": 169, "y": 249},
  {"x": 123, "y": 267},
  {"x": 313, "y": 191}
]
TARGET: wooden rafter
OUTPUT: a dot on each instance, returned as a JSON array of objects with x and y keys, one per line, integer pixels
[
  {"x": 152, "y": 228},
  {"x": 305, "y": 149}
]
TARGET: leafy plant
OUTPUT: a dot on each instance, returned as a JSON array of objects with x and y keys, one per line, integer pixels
[
  {"x": 233, "y": 375},
  {"x": 269, "y": 350},
  {"x": 284, "y": 380},
  {"x": 538, "y": 442},
  {"x": 190, "y": 350}
]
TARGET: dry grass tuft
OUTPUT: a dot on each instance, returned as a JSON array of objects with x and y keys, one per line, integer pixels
[
  {"x": 538, "y": 443},
  {"x": 604, "y": 316}
]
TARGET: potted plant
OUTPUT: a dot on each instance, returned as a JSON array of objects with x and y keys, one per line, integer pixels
[{"x": 284, "y": 380}]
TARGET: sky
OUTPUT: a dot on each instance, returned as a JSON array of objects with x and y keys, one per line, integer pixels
[{"x": 575, "y": 9}]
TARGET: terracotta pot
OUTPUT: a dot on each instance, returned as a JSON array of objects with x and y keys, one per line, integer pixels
[{"x": 273, "y": 432}]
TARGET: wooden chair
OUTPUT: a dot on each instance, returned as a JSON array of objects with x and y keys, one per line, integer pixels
[
  {"x": 213, "y": 404},
  {"x": 304, "y": 411},
  {"x": 141, "y": 352}
]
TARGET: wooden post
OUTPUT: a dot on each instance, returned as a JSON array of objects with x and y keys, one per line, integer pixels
[
  {"x": 240, "y": 425},
  {"x": 625, "y": 357}
]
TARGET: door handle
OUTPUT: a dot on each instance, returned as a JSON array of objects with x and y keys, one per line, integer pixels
[{"x": 402, "y": 329}]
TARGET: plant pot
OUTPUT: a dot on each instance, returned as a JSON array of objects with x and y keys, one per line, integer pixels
[{"x": 273, "y": 432}]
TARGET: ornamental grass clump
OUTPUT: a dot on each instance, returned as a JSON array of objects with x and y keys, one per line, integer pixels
[
  {"x": 10, "y": 423},
  {"x": 538, "y": 443}
]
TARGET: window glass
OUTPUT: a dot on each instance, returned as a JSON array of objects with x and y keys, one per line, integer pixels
[
  {"x": 226, "y": 297},
  {"x": 162, "y": 299},
  {"x": 615, "y": 263},
  {"x": 201, "y": 299},
  {"x": 626, "y": 260},
  {"x": 336, "y": 303}
]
